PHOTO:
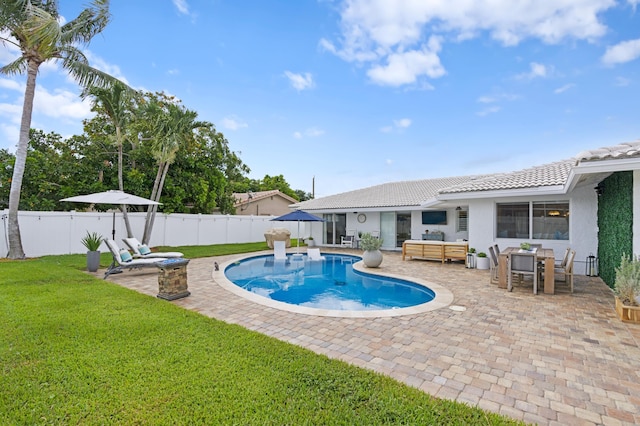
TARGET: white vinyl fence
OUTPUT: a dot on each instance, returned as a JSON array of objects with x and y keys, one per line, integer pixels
[{"x": 45, "y": 233}]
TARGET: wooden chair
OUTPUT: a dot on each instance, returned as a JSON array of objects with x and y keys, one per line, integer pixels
[
  {"x": 566, "y": 271},
  {"x": 523, "y": 264},
  {"x": 564, "y": 260}
]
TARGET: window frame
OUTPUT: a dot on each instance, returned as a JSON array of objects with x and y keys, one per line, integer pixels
[{"x": 511, "y": 222}]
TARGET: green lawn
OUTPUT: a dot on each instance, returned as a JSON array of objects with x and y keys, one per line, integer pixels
[{"x": 79, "y": 350}]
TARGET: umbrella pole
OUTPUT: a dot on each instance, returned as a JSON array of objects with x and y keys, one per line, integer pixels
[
  {"x": 298, "y": 248},
  {"x": 113, "y": 230}
]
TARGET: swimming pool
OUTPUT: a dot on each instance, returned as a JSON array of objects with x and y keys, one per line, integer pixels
[{"x": 336, "y": 286}]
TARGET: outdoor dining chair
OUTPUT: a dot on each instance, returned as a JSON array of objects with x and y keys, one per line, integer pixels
[
  {"x": 566, "y": 271},
  {"x": 523, "y": 264},
  {"x": 493, "y": 266}
]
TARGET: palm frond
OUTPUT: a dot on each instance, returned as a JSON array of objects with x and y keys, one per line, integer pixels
[
  {"x": 19, "y": 66},
  {"x": 87, "y": 24}
]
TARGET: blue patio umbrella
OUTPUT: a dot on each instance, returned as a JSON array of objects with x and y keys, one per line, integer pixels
[{"x": 298, "y": 216}]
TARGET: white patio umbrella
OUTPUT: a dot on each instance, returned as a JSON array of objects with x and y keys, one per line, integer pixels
[{"x": 112, "y": 197}]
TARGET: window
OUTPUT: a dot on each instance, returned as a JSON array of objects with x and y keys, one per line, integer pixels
[
  {"x": 463, "y": 220},
  {"x": 538, "y": 220}
]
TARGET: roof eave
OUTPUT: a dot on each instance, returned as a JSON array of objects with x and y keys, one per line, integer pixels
[{"x": 504, "y": 193}]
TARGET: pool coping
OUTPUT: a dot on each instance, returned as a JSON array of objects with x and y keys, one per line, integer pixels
[{"x": 443, "y": 297}]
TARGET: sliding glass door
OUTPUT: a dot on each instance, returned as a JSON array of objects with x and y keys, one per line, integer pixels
[{"x": 335, "y": 227}]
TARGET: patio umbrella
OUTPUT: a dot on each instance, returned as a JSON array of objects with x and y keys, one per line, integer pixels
[
  {"x": 298, "y": 216},
  {"x": 111, "y": 197}
]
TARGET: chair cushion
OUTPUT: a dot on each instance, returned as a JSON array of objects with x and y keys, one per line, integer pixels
[
  {"x": 125, "y": 256},
  {"x": 144, "y": 249}
]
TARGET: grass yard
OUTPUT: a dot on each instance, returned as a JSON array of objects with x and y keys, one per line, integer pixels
[{"x": 79, "y": 350}]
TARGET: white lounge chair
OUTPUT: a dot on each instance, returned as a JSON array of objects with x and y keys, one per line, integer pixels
[
  {"x": 279, "y": 250},
  {"x": 314, "y": 254},
  {"x": 142, "y": 251},
  {"x": 122, "y": 260}
]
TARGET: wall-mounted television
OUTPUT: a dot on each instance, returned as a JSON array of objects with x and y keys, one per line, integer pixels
[{"x": 434, "y": 217}]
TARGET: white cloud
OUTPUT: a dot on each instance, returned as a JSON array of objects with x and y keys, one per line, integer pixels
[
  {"x": 386, "y": 129},
  {"x": 622, "y": 81},
  {"x": 300, "y": 81},
  {"x": 61, "y": 104},
  {"x": 173, "y": 72},
  {"x": 490, "y": 99},
  {"x": 487, "y": 111},
  {"x": 563, "y": 88},
  {"x": 386, "y": 35},
  {"x": 402, "y": 123},
  {"x": 233, "y": 123},
  {"x": 625, "y": 51},
  {"x": 536, "y": 70},
  {"x": 406, "y": 67},
  {"x": 182, "y": 6},
  {"x": 10, "y": 135},
  {"x": 6, "y": 83},
  {"x": 312, "y": 132}
]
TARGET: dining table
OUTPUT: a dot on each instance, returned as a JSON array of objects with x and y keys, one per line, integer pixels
[{"x": 544, "y": 255}]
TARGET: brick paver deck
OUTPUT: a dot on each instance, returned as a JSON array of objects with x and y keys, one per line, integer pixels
[{"x": 547, "y": 359}]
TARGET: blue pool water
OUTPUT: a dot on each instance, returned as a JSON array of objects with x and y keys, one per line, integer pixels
[{"x": 324, "y": 284}]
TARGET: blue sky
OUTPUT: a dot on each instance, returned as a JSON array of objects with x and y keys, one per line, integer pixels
[{"x": 358, "y": 93}]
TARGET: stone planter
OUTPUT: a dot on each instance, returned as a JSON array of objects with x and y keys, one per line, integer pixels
[
  {"x": 93, "y": 261},
  {"x": 482, "y": 262},
  {"x": 372, "y": 258},
  {"x": 627, "y": 313}
]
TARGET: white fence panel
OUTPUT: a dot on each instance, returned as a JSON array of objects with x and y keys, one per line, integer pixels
[{"x": 45, "y": 233}]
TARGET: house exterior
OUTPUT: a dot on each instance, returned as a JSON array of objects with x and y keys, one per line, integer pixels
[
  {"x": 262, "y": 203},
  {"x": 558, "y": 205}
]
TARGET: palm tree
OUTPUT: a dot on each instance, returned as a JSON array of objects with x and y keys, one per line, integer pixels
[
  {"x": 114, "y": 102},
  {"x": 174, "y": 126},
  {"x": 35, "y": 28}
]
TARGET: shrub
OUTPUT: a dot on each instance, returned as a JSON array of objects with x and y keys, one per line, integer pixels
[
  {"x": 92, "y": 241},
  {"x": 627, "y": 284},
  {"x": 370, "y": 243},
  {"x": 482, "y": 254}
]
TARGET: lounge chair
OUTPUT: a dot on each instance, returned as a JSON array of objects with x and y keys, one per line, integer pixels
[
  {"x": 314, "y": 254},
  {"x": 122, "y": 260},
  {"x": 142, "y": 251},
  {"x": 279, "y": 250}
]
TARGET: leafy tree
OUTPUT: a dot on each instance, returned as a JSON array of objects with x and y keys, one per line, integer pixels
[{"x": 35, "y": 28}]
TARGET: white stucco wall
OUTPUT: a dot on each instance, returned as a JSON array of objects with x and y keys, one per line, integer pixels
[{"x": 583, "y": 236}]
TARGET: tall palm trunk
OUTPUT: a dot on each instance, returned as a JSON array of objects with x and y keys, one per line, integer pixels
[
  {"x": 152, "y": 209},
  {"x": 15, "y": 241},
  {"x": 123, "y": 207}
]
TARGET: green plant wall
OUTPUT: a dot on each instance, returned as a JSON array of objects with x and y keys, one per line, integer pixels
[{"x": 615, "y": 223}]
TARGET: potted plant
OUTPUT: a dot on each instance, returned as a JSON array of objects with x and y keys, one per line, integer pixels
[
  {"x": 525, "y": 246},
  {"x": 627, "y": 289},
  {"x": 482, "y": 261},
  {"x": 310, "y": 242},
  {"x": 92, "y": 242},
  {"x": 372, "y": 256}
]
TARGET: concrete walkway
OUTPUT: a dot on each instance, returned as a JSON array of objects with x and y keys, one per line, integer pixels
[{"x": 562, "y": 359}]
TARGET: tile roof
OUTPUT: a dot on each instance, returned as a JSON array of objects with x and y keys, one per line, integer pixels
[
  {"x": 553, "y": 174},
  {"x": 623, "y": 150},
  {"x": 244, "y": 197},
  {"x": 393, "y": 194},
  {"x": 417, "y": 192}
]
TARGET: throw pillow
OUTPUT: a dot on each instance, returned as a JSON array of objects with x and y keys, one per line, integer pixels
[
  {"x": 125, "y": 256},
  {"x": 144, "y": 249}
]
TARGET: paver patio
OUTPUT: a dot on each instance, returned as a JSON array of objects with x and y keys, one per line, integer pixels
[{"x": 547, "y": 359}]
